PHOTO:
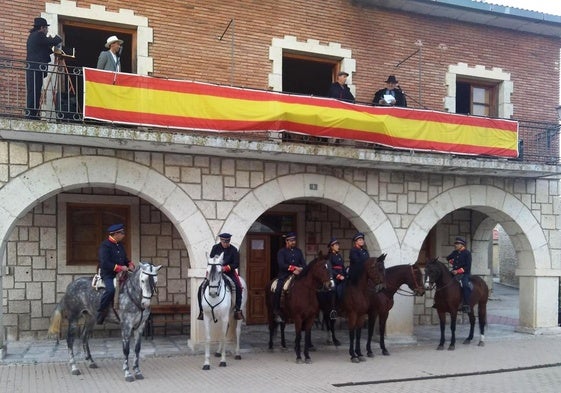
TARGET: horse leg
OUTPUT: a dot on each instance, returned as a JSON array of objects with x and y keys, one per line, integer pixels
[
  {"x": 354, "y": 357},
  {"x": 126, "y": 334},
  {"x": 482, "y": 311},
  {"x": 283, "y": 338},
  {"x": 371, "y": 323},
  {"x": 383, "y": 320},
  {"x": 332, "y": 329},
  {"x": 297, "y": 340},
  {"x": 223, "y": 333},
  {"x": 237, "y": 354},
  {"x": 137, "y": 345},
  {"x": 72, "y": 327},
  {"x": 206, "y": 320},
  {"x": 471, "y": 327},
  {"x": 272, "y": 330},
  {"x": 442, "y": 319},
  {"x": 308, "y": 344},
  {"x": 358, "y": 351},
  {"x": 453, "y": 318},
  {"x": 86, "y": 333}
]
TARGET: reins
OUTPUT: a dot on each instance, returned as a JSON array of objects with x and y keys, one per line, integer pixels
[
  {"x": 134, "y": 299},
  {"x": 217, "y": 287}
]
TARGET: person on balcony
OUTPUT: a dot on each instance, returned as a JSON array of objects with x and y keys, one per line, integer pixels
[
  {"x": 339, "y": 90},
  {"x": 391, "y": 95},
  {"x": 39, "y": 49},
  {"x": 110, "y": 60}
]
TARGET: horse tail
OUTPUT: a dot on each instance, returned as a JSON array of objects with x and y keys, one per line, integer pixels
[{"x": 56, "y": 319}]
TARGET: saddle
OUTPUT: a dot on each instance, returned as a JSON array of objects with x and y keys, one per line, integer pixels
[
  {"x": 459, "y": 279},
  {"x": 285, "y": 288}
]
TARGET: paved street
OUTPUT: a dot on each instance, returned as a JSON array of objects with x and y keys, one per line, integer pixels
[{"x": 510, "y": 361}]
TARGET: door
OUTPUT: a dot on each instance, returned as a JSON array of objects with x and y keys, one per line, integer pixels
[{"x": 258, "y": 277}]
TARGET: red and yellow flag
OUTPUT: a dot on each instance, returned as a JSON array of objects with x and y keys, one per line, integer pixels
[{"x": 143, "y": 100}]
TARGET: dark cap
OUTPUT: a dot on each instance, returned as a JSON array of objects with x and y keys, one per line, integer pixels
[
  {"x": 332, "y": 242},
  {"x": 358, "y": 235},
  {"x": 391, "y": 79},
  {"x": 289, "y": 236},
  {"x": 115, "y": 228},
  {"x": 460, "y": 240},
  {"x": 225, "y": 236},
  {"x": 342, "y": 73},
  {"x": 40, "y": 22}
]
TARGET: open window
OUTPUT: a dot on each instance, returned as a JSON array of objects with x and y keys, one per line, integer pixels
[
  {"x": 476, "y": 98},
  {"x": 306, "y": 74}
]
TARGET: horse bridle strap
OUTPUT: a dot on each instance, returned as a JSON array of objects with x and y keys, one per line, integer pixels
[{"x": 221, "y": 300}]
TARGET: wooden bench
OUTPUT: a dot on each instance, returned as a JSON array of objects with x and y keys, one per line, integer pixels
[{"x": 168, "y": 317}]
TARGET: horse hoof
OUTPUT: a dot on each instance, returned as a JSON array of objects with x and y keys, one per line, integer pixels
[
  {"x": 129, "y": 378},
  {"x": 481, "y": 344},
  {"x": 238, "y": 357},
  {"x": 440, "y": 347},
  {"x": 92, "y": 365},
  {"x": 298, "y": 361},
  {"x": 370, "y": 354},
  {"x": 217, "y": 355},
  {"x": 312, "y": 348},
  {"x": 451, "y": 347},
  {"x": 222, "y": 364},
  {"x": 336, "y": 343},
  {"x": 76, "y": 372},
  {"x": 385, "y": 352},
  {"x": 361, "y": 359},
  {"x": 355, "y": 360},
  {"x": 206, "y": 367},
  {"x": 467, "y": 341},
  {"x": 139, "y": 376},
  {"x": 308, "y": 361}
]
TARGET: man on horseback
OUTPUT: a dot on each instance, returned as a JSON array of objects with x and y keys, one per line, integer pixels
[
  {"x": 290, "y": 261},
  {"x": 358, "y": 253},
  {"x": 230, "y": 264},
  {"x": 112, "y": 260},
  {"x": 460, "y": 259},
  {"x": 337, "y": 271}
]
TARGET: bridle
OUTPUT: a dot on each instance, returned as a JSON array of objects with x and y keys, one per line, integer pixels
[
  {"x": 215, "y": 289},
  {"x": 416, "y": 290},
  {"x": 432, "y": 285}
]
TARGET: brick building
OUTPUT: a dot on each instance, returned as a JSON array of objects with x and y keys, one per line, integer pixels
[{"x": 177, "y": 189}]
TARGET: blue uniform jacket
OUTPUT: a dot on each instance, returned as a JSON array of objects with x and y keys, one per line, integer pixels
[
  {"x": 287, "y": 257},
  {"x": 231, "y": 256},
  {"x": 110, "y": 254},
  {"x": 461, "y": 259}
]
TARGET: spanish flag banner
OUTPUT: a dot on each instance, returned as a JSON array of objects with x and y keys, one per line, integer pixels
[{"x": 142, "y": 100}]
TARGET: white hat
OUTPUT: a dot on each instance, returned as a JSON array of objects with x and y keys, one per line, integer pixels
[{"x": 111, "y": 40}]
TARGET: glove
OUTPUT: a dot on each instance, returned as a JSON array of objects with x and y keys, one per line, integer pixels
[
  {"x": 131, "y": 265},
  {"x": 226, "y": 268},
  {"x": 119, "y": 268},
  {"x": 340, "y": 277}
]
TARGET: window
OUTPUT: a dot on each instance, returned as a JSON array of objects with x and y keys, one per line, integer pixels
[
  {"x": 86, "y": 227},
  {"x": 307, "y": 75},
  {"x": 476, "y": 99}
]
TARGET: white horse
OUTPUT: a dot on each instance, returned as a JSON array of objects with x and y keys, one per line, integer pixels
[{"x": 218, "y": 307}]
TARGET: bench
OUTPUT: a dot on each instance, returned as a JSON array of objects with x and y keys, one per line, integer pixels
[{"x": 168, "y": 317}]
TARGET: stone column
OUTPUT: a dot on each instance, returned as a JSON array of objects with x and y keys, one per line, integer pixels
[
  {"x": 539, "y": 290},
  {"x": 197, "y": 336}
]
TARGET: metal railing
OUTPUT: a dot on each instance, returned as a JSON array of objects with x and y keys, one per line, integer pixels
[{"x": 61, "y": 96}]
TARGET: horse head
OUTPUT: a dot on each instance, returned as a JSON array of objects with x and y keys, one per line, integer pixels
[
  {"x": 376, "y": 272},
  {"x": 148, "y": 278},
  {"x": 214, "y": 275},
  {"x": 319, "y": 270},
  {"x": 433, "y": 273},
  {"x": 417, "y": 278}
]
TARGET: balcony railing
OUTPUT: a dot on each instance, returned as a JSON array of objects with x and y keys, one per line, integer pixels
[{"x": 62, "y": 94}]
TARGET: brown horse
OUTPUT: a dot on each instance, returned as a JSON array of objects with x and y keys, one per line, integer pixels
[
  {"x": 382, "y": 302},
  {"x": 356, "y": 299},
  {"x": 300, "y": 305},
  {"x": 448, "y": 297}
]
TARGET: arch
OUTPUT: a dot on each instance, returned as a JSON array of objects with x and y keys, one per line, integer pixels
[
  {"x": 40, "y": 183},
  {"x": 355, "y": 204}
]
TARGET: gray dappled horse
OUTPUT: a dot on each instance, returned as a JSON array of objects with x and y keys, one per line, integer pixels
[{"x": 82, "y": 300}]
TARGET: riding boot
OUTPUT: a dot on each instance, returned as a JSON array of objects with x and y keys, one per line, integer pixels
[
  {"x": 100, "y": 317},
  {"x": 200, "y": 317},
  {"x": 238, "y": 315},
  {"x": 199, "y": 294}
]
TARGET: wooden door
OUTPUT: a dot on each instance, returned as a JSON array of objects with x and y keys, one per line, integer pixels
[{"x": 258, "y": 276}]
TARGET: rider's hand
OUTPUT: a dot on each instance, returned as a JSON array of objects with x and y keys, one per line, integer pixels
[
  {"x": 297, "y": 270},
  {"x": 226, "y": 268},
  {"x": 119, "y": 268},
  {"x": 131, "y": 266},
  {"x": 340, "y": 277}
]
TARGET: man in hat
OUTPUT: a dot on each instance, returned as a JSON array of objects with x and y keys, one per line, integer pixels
[
  {"x": 290, "y": 260},
  {"x": 110, "y": 60},
  {"x": 340, "y": 90},
  {"x": 358, "y": 254},
  {"x": 460, "y": 259},
  {"x": 112, "y": 260},
  {"x": 391, "y": 95},
  {"x": 230, "y": 264},
  {"x": 39, "y": 49},
  {"x": 337, "y": 271}
]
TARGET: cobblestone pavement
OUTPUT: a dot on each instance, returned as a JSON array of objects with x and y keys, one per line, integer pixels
[{"x": 509, "y": 362}]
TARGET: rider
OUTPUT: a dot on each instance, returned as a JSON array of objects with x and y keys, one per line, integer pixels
[
  {"x": 358, "y": 254},
  {"x": 337, "y": 271},
  {"x": 112, "y": 260},
  {"x": 460, "y": 259},
  {"x": 290, "y": 261},
  {"x": 230, "y": 263}
]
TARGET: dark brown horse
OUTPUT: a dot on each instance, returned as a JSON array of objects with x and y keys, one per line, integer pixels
[
  {"x": 382, "y": 302},
  {"x": 356, "y": 299},
  {"x": 300, "y": 305},
  {"x": 448, "y": 297}
]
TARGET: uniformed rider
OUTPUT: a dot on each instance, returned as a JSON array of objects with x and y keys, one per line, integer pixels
[{"x": 460, "y": 259}]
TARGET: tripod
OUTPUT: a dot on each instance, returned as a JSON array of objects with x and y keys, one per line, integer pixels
[{"x": 62, "y": 88}]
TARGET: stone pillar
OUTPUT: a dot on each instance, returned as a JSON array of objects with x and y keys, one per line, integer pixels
[
  {"x": 399, "y": 327},
  {"x": 197, "y": 336},
  {"x": 539, "y": 290},
  {"x": 3, "y": 347}
]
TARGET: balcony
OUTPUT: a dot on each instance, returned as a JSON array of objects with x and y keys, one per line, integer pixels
[{"x": 62, "y": 121}]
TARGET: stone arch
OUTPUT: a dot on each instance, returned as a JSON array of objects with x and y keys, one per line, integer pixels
[
  {"x": 42, "y": 182},
  {"x": 355, "y": 204}
]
